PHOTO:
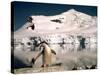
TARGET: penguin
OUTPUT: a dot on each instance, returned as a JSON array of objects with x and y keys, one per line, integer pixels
[
  {"x": 86, "y": 67},
  {"x": 46, "y": 53},
  {"x": 74, "y": 68},
  {"x": 30, "y": 19},
  {"x": 32, "y": 27},
  {"x": 93, "y": 67}
]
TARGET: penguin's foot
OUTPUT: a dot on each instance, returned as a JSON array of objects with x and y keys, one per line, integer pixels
[{"x": 45, "y": 65}]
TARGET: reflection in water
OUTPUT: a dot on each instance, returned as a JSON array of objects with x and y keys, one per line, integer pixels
[
  {"x": 67, "y": 54},
  {"x": 82, "y": 43},
  {"x": 73, "y": 47}
]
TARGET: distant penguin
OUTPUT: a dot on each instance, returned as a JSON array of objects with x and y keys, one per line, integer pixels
[
  {"x": 46, "y": 54},
  {"x": 93, "y": 67},
  {"x": 86, "y": 67},
  {"x": 32, "y": 27},
  {"x": 74, "y": 68}
]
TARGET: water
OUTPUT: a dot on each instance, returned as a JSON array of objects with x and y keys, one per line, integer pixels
[
  {"x": 63, "y": 48},
  {"x": 69, "y": 55}
]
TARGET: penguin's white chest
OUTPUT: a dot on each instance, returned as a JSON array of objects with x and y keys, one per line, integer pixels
[
  {"x": 47, "y": 55},
  {"x": 48, "y": 50}
]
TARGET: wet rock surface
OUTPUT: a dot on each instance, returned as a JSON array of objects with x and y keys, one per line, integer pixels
[{"x": 81, "y": 60}]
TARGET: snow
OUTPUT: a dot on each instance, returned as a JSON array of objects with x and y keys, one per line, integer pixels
[{"x": 72, "y": 22}]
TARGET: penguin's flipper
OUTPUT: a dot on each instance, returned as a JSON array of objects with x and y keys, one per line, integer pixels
[
  {"x": 53, "y": 51},
  {"x": 38, "y": 55}
]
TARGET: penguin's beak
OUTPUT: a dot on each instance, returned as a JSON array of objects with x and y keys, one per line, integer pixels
[{"x": 53, "y": 51}]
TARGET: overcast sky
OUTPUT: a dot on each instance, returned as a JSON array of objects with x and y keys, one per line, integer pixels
[{"x": 22, "y": 10}]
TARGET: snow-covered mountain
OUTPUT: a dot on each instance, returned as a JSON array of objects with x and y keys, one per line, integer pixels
[{"x": 70, "y": 21}]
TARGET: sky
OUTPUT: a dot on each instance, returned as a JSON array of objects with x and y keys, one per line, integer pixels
[{"x": 22, "y": 10}]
